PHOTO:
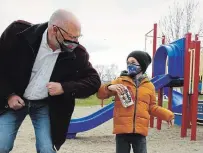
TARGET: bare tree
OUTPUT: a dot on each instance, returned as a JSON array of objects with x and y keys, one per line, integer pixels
[
  {"x": 107, "y": 73},
  {"x": 200, "y": 30},
  {"x": 111, "y": 72},
  {"x": 101, "y": 71},
  {"x": 180, "y": 20}
]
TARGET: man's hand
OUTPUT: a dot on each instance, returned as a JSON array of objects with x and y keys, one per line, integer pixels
[
  {"x": 15, "y": 102},
  {"x": 55, "y": 88}
]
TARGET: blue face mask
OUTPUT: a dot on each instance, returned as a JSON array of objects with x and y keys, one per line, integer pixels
[{"x": 133, "y": 69}]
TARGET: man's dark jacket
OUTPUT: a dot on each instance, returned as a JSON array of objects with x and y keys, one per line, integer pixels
[{"x": 19, "y": 46}]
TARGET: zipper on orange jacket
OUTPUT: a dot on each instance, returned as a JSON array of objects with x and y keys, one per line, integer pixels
[{"x": 135, "y": 105}]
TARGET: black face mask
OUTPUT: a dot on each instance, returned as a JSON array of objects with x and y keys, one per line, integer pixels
[{"x": 67, "y": 45}]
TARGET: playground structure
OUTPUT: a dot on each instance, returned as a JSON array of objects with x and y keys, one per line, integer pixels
[{"x": 184, "y": 70}]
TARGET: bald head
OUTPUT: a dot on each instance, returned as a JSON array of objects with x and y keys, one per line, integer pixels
[
  {"x": 61, "y": 17},
  {"x": 63, "y": 25}
]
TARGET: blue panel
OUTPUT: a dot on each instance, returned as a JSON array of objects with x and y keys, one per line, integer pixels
[
  {"x": 162, "y": 81},
  {"x": 178, "y": 119},
  {"x": 200, "y": 87},
  {"x": 175, "y": 53},
  {"x": 200, "y": 107}
]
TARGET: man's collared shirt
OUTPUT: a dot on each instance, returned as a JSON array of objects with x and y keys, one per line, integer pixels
[{"x": 41, "y": 71}]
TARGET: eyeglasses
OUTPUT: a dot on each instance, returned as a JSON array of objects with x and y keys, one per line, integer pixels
[
  {"x": 69, "y": 35},
  {"x": 128, "y": 63}
]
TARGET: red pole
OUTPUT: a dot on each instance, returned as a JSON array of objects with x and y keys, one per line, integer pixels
[
  {"x": 196, "y": 37},
  {"x": 170, "y": 96},
  {"x": 160, "y": 96},
  {"x": 163, "y": 40},
  {"x": 186, "y": 86},
  {"x": 160, "y": 103},
  {"x": 154, "y": 39},
  {"x": 102, "y": 103},
  {"x": 189, "y": 111},
  {"x": 196, "y": 92},
  {"x": 154, "y": 51}
]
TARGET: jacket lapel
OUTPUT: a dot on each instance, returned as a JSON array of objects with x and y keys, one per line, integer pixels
[
  {"x": 33, "y": 35},
  {"x": 66, "y": 56}
]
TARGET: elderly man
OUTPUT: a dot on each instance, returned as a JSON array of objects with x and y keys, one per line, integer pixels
[{"x": 43, "y": 68}]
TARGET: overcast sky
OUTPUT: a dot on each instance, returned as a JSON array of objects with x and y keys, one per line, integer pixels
[{"x": 111, "y": 28}]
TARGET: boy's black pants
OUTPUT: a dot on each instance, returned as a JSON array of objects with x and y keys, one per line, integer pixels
[{"x": 124, "y": 142}]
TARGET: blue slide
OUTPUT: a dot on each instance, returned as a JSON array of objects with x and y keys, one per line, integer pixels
[
  {"x": 106, "y": 113},
  {"x": 177, "y": 102},
  {"x": 91, "y": 121}
]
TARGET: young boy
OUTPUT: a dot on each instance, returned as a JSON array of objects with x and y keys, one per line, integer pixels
[{"x": 131, "y": 123}]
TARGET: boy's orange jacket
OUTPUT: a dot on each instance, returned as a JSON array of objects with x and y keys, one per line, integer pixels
[{"x": 135, "y": 118}]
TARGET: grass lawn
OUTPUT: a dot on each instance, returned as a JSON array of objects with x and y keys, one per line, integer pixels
[
  {"x": 93, "y": 101},
  {"x": 200, "y": 97}
]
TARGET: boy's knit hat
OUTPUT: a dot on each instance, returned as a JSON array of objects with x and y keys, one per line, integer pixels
[{"x": 142, "y": 57}]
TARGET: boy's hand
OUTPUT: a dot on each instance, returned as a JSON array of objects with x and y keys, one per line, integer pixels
[
  {"x": 119, "y": 88},
  {"x": 170, "y": 123}
]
